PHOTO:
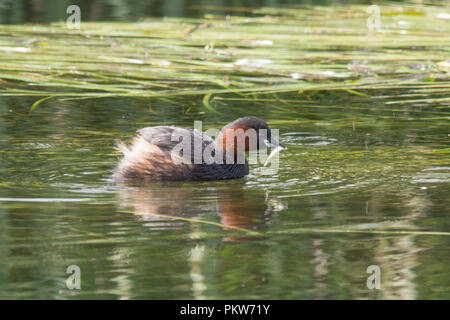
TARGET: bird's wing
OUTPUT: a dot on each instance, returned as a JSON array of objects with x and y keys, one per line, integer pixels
[
  {"x": 168, "y": 137},
  {"x": 160, "y": 136}
]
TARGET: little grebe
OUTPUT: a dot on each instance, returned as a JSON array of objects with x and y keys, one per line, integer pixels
[{"x": 155, "y": 155}]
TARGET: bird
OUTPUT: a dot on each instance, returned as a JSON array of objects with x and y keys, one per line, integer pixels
[{"x": 171, "y": 153}]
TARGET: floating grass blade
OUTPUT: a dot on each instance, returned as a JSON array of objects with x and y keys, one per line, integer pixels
[
  {"x": 206, "y": 103},
  {"x": 35, "y": 105},
  {"x": 286, "y": 49}
]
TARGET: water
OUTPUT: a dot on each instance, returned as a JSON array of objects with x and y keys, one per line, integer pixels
[
  {"x": 362, "y": 183},
  {"x": 132, "y": 10}
]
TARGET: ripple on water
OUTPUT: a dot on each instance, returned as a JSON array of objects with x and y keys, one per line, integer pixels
[
  {"x": 432, "y": 177},
  {"x": 304, "y": 138}
]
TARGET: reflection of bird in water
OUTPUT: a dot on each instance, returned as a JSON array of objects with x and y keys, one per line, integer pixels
[
  {"x": 240, "y": 209},
  {"x": 163, "y": 206}
]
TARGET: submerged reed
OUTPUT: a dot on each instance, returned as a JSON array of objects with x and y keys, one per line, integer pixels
[{"x": 274, "y": 50}]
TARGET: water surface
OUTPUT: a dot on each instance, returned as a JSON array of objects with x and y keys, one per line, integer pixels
[{"x": 362, "y": 183}]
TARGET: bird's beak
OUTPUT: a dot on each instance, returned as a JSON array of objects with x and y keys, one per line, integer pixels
[{"x": 274, "y": 143}]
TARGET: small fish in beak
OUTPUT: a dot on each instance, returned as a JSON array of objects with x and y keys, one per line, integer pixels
[{"x": 276, "y": 147}]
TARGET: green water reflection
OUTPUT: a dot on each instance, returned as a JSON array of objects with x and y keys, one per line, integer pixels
[{"x": 362, "y": 183}]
